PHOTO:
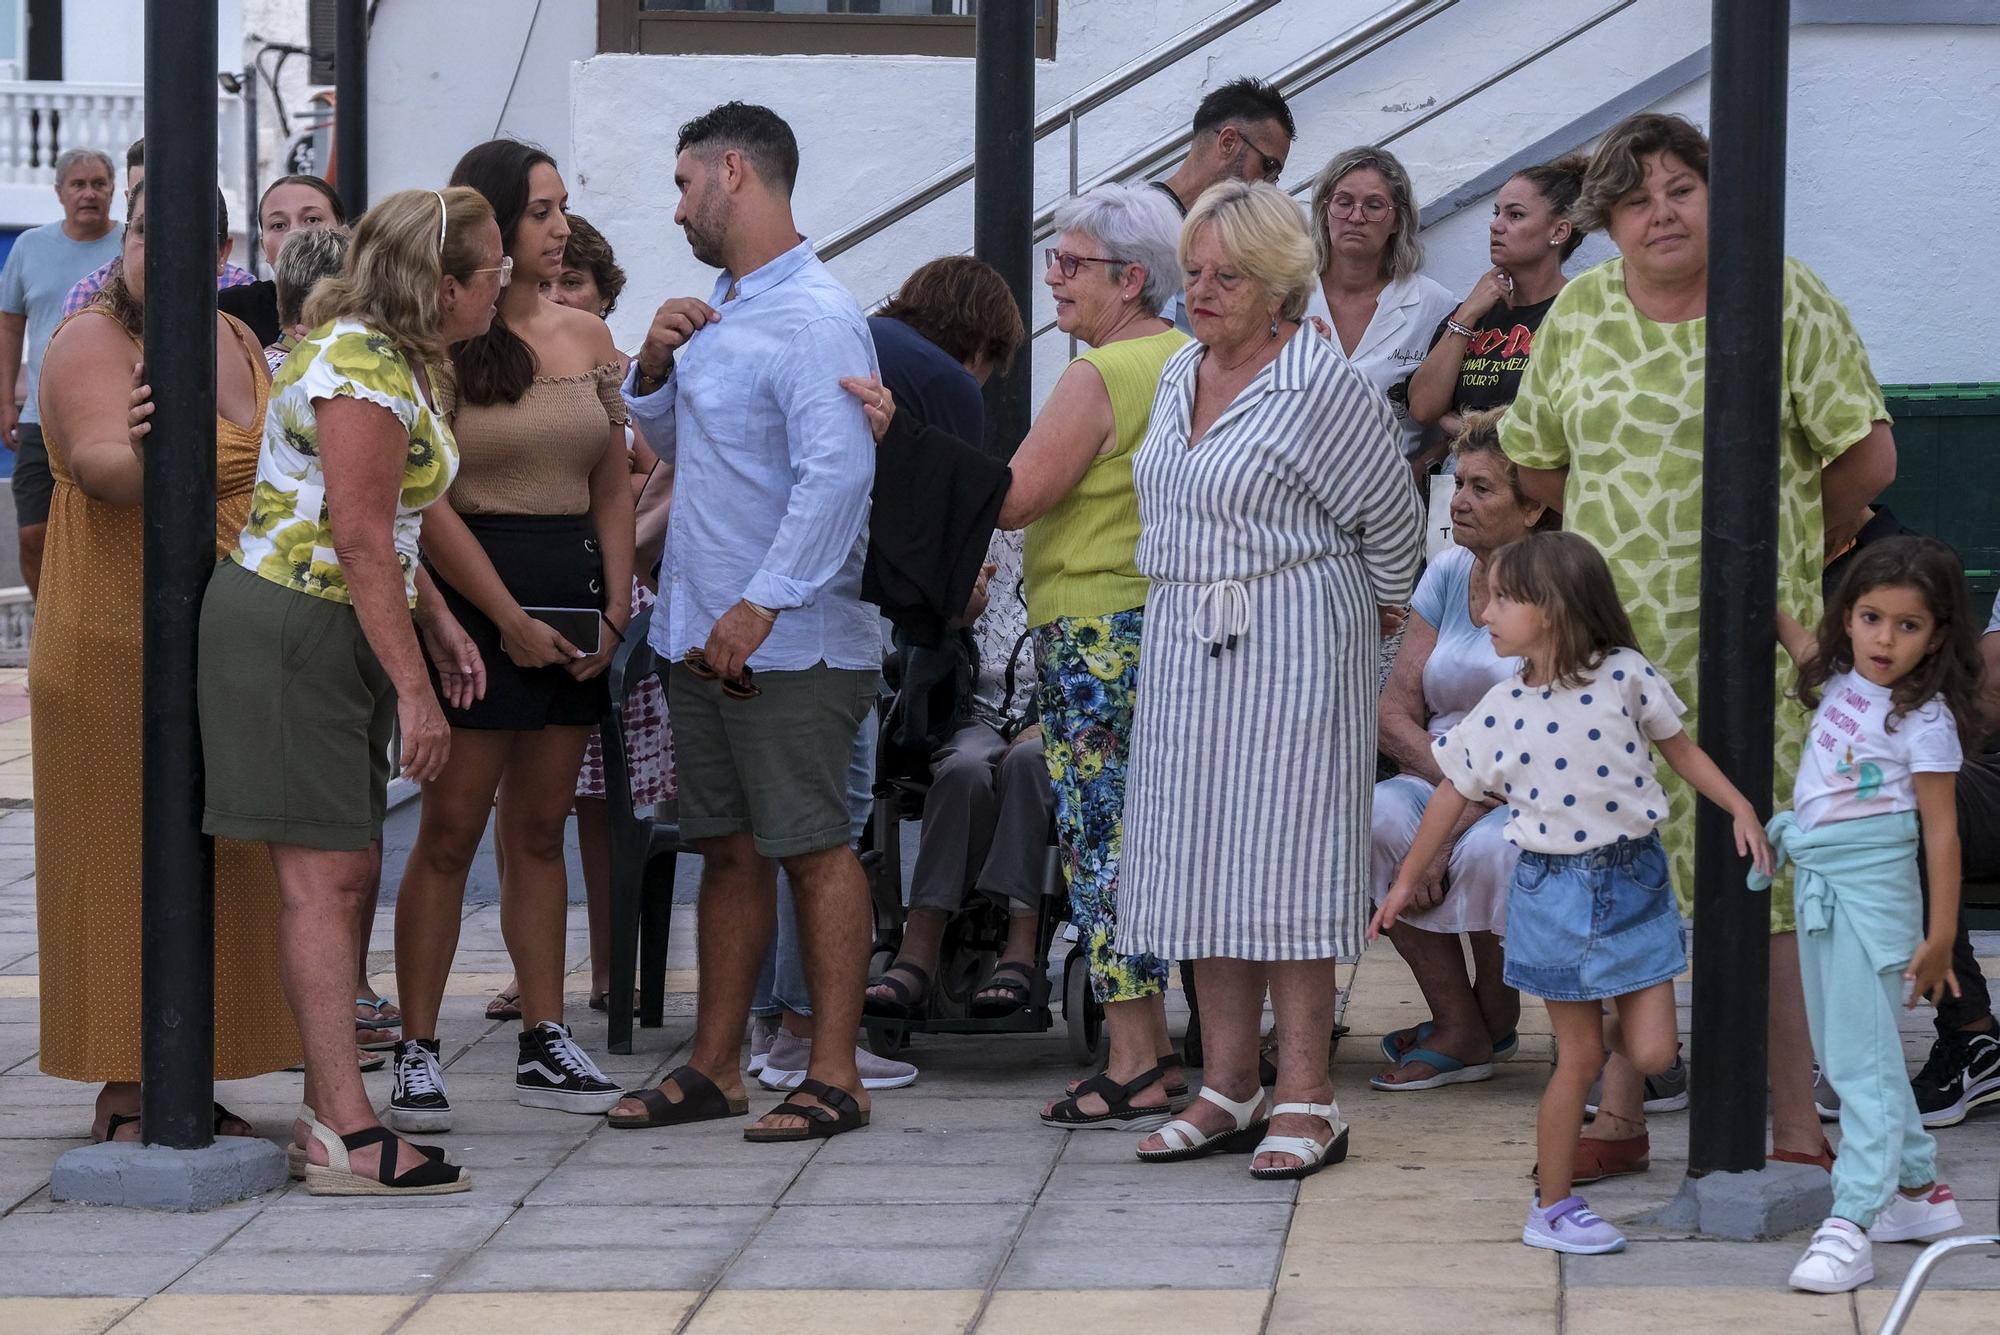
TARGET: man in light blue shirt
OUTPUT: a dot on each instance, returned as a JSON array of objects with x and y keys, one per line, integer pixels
[{"x": 774, "y": 654}]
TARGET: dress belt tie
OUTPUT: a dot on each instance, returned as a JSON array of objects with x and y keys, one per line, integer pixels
[{"x": 1221, "y": 614}]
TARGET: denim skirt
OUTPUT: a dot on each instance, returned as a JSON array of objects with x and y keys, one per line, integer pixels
[{"x": 1593, "y": 925}]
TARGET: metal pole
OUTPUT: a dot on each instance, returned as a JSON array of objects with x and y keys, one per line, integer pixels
[
  {"x": 178, "y": 883},
  {"x": 1739, "y": 568},
  {"x": 1003, "y": 193},
  {"x": 350, "y": 103},
  {"x": 253, "y": 226}
]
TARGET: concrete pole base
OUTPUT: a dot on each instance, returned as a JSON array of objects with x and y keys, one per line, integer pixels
[
  {"x": 1783, "y": 1198},
  {"x": 148, "y": 1177}
]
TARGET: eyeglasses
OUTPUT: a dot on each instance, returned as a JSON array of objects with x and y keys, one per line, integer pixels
[
  {"x": 505, "y": 268},
  {"x": 1068, "y": 263},
  {"x": 740, "y": 688},
  {"x": 1273, "y": 167},
  {"x": 1344, "y": 205}
]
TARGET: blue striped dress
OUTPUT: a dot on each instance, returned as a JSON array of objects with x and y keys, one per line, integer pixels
[{"x": 1269, "y": 543}]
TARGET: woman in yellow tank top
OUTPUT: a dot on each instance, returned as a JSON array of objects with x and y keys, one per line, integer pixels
[
  {"x": 84, "y": 694},
  {"x": 1111, "y": 270}
]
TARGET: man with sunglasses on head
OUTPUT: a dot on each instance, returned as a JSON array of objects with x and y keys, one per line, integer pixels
[
  {"x": 774, "y": 655},
  {"x": 1243, "y": 131}
]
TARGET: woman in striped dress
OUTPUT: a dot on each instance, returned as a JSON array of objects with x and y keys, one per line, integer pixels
[{"x": 1275, "y": 516}]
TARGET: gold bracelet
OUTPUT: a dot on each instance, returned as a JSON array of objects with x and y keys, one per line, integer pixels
[{"x": 769, "y": 614}]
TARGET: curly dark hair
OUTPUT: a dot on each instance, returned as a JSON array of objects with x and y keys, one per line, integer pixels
[
  {"x": 965, "y": 307},
  {"x": 587, "y": 249},
  {"x": 1950, "y": 671},
  {"x": 497, "y": 366}
]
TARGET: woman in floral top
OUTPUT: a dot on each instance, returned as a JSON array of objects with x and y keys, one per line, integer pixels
[
  {"x": 309, "y": 652},
  {"x": 1608, "y": 429}
]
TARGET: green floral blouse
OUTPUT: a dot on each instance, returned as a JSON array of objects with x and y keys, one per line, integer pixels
[
  {"x": 1617, "y": 400},
  {"x": 288, "y": 539}
]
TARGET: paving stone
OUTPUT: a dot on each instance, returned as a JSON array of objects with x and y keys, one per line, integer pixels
[
  {"x": 85, "y": 1274},
  {"x": 809, "y": 1227},
  {"x": 946, "y": 1265},
  {"x": 527, "y": 1314},
  {"x": 336, "y": 1228},
  {"x": 713, "y": 1144},
  {"x": 554, "y": 1227},
  {"x": 1225, "y": 1178},
  {"x": 208, "y": 1314},
  {"x": 1416, "y": 1311},
  {"x": 1712, "y": 1311},
  {"x": 914, "y": 1184},
  {"x": 1938, "y": 1312},
  {"x": 63, "y": 1316},
  {"x": 836, "y": 1313},
  {"x": 290, "y": 1272},
  {"x": 1211, "y": 1311},
  {"x": 496, "y": 1270},
  {"x": 745, "y": 1184},
  {"x": 71, "y": 1230},
  {"x": 945, "y": 1145},
  {"x": 1112, "y": 1246}
]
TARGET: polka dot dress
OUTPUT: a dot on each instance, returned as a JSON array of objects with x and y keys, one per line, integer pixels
[{"x": 84, "y": 695}]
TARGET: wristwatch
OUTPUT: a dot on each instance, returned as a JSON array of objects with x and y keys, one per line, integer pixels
[{"x": 645, "y": 386}]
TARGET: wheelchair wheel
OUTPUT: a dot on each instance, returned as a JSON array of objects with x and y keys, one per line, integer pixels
[
  {"x": 1083, "y": 1016},
  {"x": 886, "y": 1040}
]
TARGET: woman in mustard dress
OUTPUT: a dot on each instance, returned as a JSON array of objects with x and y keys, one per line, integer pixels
[{"x": 84, "y": 693}]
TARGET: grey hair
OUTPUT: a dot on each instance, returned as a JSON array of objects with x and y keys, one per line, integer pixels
[
  {"x": 305, "y": 258},
  {"x": 71, "y": 156},
  {"x": 1135, "y": 224},
  {"x": 1404, "y": 254}
]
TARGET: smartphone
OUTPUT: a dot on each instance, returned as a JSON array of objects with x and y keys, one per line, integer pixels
[{"x": 581, "y": 626}]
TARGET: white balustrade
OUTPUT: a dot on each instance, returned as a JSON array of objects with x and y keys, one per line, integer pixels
[{"x": 39, "y": 120}]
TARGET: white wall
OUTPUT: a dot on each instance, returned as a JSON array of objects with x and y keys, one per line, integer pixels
[
  {"x": 441, "y": 78},
  {"x": 104, "y": 41},
  {"x": 1880, "y": 115}
]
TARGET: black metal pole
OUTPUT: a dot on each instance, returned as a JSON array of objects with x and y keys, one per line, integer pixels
[
  {"x": 178, "y": 884},
  {"x": 1003, "y": 193},
  {"x": 253, "y": 226},
  {"x": 350, "y": 104},
  {"x": 1739, "y": 568}
]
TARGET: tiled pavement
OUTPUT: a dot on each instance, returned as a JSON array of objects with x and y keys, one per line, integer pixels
[{"x": 955, "y": 1210}]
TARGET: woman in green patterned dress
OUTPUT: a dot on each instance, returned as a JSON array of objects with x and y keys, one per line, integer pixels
[{"x": 1608, "y": 429}]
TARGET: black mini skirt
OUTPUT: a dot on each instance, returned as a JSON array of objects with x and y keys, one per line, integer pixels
[{"x": 545, "y": 561}]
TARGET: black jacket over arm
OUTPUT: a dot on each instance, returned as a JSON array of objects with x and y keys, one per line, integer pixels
[{"x": 934, "y": 504}]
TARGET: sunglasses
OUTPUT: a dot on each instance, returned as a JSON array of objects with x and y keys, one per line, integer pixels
[
  {"x": 1273, "y": 167},
  {"x": 1069, "y": 263},
  {"x": 740, "y": 688}
]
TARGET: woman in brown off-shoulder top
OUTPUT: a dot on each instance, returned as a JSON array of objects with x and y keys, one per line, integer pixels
[{"x": 540, "y": 517}]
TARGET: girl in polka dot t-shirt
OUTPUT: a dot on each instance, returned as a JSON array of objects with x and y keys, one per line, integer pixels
[{"x": 1567, "y": 746}]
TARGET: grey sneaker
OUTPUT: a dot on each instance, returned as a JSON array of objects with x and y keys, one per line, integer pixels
[
  {"x": 791, "y": 1055},
  {"x": 1825, "y": 1102},
  {"x": 763, "y": 1029},
  {"x": 1665, "y": 1092}
]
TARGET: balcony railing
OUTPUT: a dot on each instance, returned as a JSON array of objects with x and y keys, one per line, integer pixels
[{"x": 41, "y": 119}]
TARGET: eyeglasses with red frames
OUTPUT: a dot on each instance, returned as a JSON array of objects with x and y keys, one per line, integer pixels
[
  {"x": 1069, "y": 263},
  {"x": 736, "y": 688}
]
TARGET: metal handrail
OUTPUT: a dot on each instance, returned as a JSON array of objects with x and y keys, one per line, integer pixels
[{"x": 1065, "y": 114}]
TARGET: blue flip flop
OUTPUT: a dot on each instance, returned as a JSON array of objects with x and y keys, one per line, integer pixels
[
  {"x": 1503, "y": 1051},
  {"x": 1449, "y": 1071}
]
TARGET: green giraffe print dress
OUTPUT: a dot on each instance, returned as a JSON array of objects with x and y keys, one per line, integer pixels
[{"x": 1617, "y": 400}]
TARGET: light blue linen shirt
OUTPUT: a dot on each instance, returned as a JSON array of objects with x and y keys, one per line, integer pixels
[{"x": 773, "y": 467}]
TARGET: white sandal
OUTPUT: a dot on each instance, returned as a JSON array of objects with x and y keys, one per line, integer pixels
[
  {"x": 434, "y": 1176},
  {"x": 1185, "y": 1140},
  {"x": 1312, "y": 1155}
]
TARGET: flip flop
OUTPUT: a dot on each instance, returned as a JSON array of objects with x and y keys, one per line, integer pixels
[
  {"x": 1449, "y": 1071},
  {"x": 1397, "y": 1043},
  {"x": 701, "y": 1101},
  {"x": 505, "y": 1006}
]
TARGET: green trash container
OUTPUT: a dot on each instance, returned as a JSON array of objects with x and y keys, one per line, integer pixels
[{"x": 1947, "y": 483}]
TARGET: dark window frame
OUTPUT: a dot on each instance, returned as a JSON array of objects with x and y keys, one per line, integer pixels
[{"x": 624, "y": 28}]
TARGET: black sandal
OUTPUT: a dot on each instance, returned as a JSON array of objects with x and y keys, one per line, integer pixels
[
  {"x": 1011, "y": 977},
  {"x": 701, "y": 1101},
  {"x": 905, "y": 1001},
  {"x": 116, "y": 1120},
  {"x": 1120, "y": 1114},
  {"x": 429, "y": 1177},
  {"x": 836, "y": 1111}
]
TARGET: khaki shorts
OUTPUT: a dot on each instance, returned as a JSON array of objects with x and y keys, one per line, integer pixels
[
  {"x": 776, "y": 765},
  {"x": 296, "y": 717}
]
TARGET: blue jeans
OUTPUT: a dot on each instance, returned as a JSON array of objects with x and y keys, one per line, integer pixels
[{"x": 781, "y": 986}]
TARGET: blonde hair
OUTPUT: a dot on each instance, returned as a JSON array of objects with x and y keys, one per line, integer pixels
[
  {"x": 1260, "y": 230},
  {"x": 394, "y": 265},
  {"x": 1404, "y": 254}
]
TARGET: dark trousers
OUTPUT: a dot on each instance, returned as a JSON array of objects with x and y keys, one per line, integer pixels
[{"x": 1979, "y": 860}]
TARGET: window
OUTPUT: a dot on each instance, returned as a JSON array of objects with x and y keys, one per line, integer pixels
[{"x": 785, "y": 27}]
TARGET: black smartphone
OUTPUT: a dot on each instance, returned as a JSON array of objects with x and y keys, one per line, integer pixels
[{"x": 581, "y": 626}]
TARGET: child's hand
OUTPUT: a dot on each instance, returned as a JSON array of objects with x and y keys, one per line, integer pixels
[
  {"x": 1930, "y": 972},
  {"x": 1399, "y": 897},
  {"x": 1751, "y": 841}
]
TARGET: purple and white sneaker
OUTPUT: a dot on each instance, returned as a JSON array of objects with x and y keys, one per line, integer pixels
[{"x": 1570, "y": 1226}]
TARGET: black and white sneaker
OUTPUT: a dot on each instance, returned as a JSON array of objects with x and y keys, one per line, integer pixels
[
  {"x": 555, "y": 1073},
  {"x": 1963, "y": 1071},
  {"x": 418, "y": 1102}
]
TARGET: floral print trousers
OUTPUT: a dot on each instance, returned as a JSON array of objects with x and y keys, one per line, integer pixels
[{"x": 1089, "y": 675}]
